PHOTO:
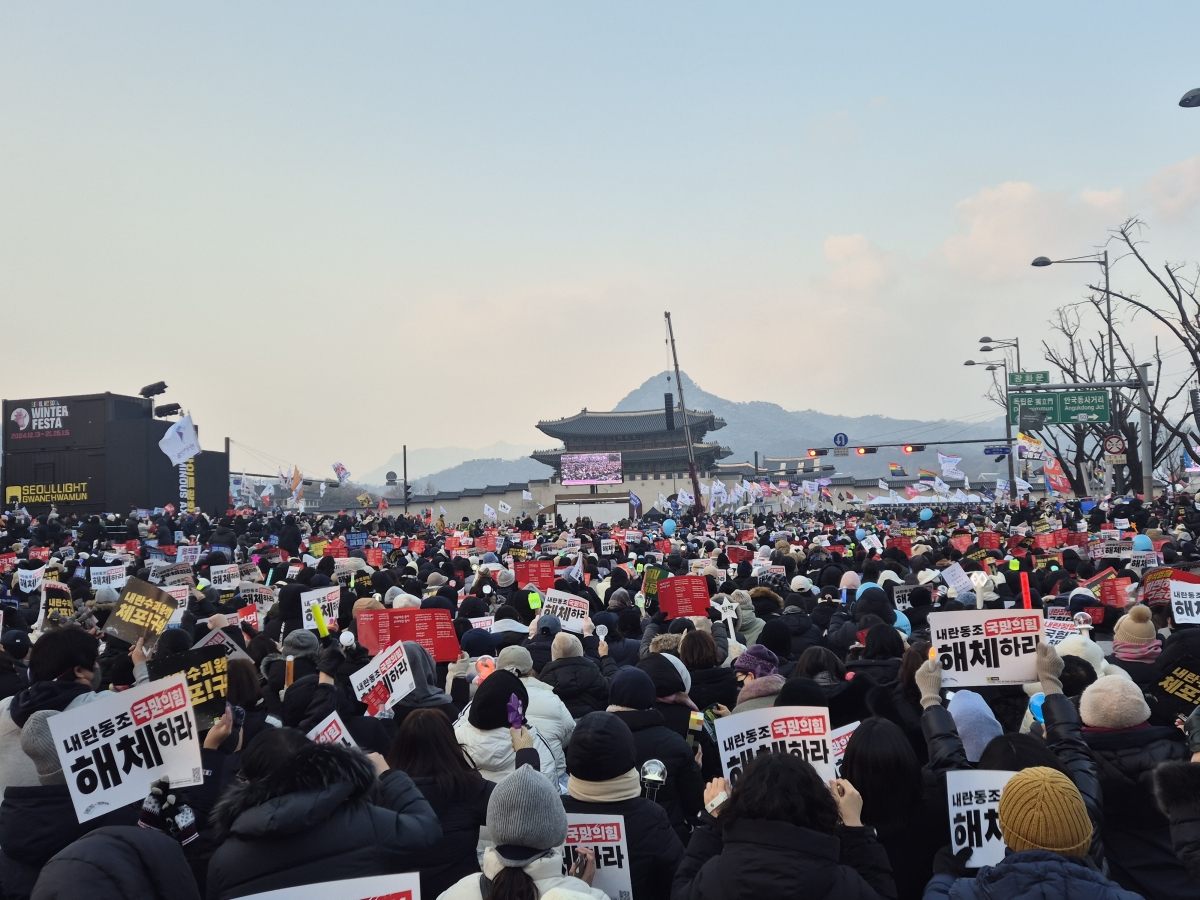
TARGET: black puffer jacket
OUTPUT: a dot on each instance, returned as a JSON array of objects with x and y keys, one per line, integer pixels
[
  {"x": 654, "y": 848},
  {"x": 116, "y": 863},
  {"x": 1137, "y": 836},
  {"x": 1177, "y": 785},
  {"x": 683, "y": 794},
  {"x": 805, "y": 632},
  {"x": 325, "y": 818},
  {"x": 758, "y": 859},
  {"x": 1064, "y": 738},
  {"x": 716, "y": 685},
  {"x": 453, "y": 857},
  {"x": 579, "y": 683}
]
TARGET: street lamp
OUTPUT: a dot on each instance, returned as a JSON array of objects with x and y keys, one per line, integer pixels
[
  {"x": 992, "y": 367},
  {"x": 999, "y": 344},
  {"x": 1191, "y": 99}
]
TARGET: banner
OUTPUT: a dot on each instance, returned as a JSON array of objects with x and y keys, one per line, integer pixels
[
  {"x": 571, "y": 610},
  {"x": 605, "y": 836},
  {"x": 1185, "y": 597},
  {"x": 385, "y": 680},
  {"x": 142, "y": 612},
  {"x": 433, "y": 629},
  {"x": 986, "y": 646},
  {"x": 1178, "y": 691},
  {"x": 684, "y": 595},
  {"x": 114, "y": 748},
  {"x": 331, "y": 730},
  {"x": 206, "y": 671},
  {"x": 799, "y": 730},
  {"x": 328, "y": 599},
  {"x": 973, "y": 796}
]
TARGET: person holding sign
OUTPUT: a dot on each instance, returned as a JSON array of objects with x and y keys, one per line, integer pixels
[
  {"x": 783, "y": 832},
  {"x": 305, "y": 813}
]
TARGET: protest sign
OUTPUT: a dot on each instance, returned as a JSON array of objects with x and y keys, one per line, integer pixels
[
  {"x": 1156, "y": 588},
  {"x": 538, "y": 572},
  {"x": 903, "y": 544},
  {"x": 263, "y": 598},
  {"x": 959, "y": 542},
  {"x": 223, "y": 577},
  {"x": 142, "y": 612},
  {"x": 180, "y": 594},
  {"x": 956, "y": 578},
  {"x": 8, "y": 562},
  {"x": 416, "y": 545},
  {"x": 608, "y": 546},
  {"x": 483, "y": 622},
  {"x": 328, "y": 599},
  {"x": 1142, "y": 561},
  {"x": 180, "y": 573},
  {"x": 799, "y": 730},
  {"x": 1059, "y": 626},
  {"x": 571, "y": 610},
  {"x": 737, "y": 554},
  {"x": 986, "y": 646},
  {"x": 385, "y": 680},
  {"x": 838, "y": 739},
  {"x": 30, "y": 580},
  {"x": 374, "y": 557},
  {"x": 900, "y": 594},
  {"x": 218, "y": 638},
  {"x": 651, "y": 576},
  {"x": 114, "y": 748},
  {"x": 56, "y": 603},
  {"x": 683, "y": 595},
  {"x": 42, "y": 553},
  {"x": 187, "y": 553},
  {"x": 433, "y": 629},
  {"x": 988, "y": 540},
  {"x": 207, "y": 676},
  {"x": 356, "y": 540},
  {"x": 331, "y": 730},
  {"x": 406, "y": 886},
  {"x": 112, "y": 576},
  {"x": 973, "y": 796},
  {"x": 1185, "y": 597},
  {"x": 249, "y": 615},
  {"x": 1178, "y": 690},
  {"x": 249, "y": 571},
  {"x": 606, "y": 837},
  {"x": 1114, "y": 592}
]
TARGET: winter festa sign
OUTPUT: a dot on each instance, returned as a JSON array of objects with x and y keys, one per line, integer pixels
[
  {"x": 986, "y": 646},
  {"x": 802, "y": 731}
]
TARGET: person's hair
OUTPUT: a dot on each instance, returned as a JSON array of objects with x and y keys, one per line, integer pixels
[
  {"x": 910, "y": 662},
  {"x": 883, "y": 642},
  {"x": 270, "y": 751},
  {"x": 57, "y": 653},
  {"x": 425, "y": 747},
  {"x": 881, "y": 764},
  {"x": 244, "y": 689},
  {"x": 780, "y": 787},
  {"x": 513, "y": 883},
  {"x": 698, "y": 650},
  {"x": 260, "y": 647},
  {"x": 1012, "y": 752},
  {"x": 816, "y": 660},
  {"x": 870, "y": 571},
  {"x": 172, "y": 642},
  {"x": 1077, "y": 674}
]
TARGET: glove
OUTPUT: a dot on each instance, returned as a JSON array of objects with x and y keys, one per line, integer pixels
[
  {"x": 460, "y": 668},
  {"x": 161, "y": 811},
  {"x": 1049, "y": 669},
  {"x": 946, "y": 862},
  {"x": 330, "y": 661},
  {"x": 1191, "y": 728},
  {"x": 929, "y": 681},
  {"x": 659, "y": 618}
]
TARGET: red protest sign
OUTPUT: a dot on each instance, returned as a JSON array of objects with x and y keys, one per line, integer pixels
[
  {"x": 249, "y": 615},
  {"x": 746, "y": 534},
  {"x": 961, "y": 542},
  {"x": 1096, "y": 612},
  {"x": 988, "y": 540},
  {"x": 1077, "y": 538},
  {"x": 452, "y": 543},
  {"x": 416, "y": 545},
  {"x": 433, "y": 629},
  {"x": 903, "y": 544},
  {"x": 336, "y": 549},
  {"x": 737, "y": 554},
  {"x": 374, "y": 557},
  {"x": 42, "y": 553},
  {"x": 1112, "y": 592},
  {"x": 8, "y": 562},
  {"x": 1043, "y": 541},
  {"x": 1156, "y": 588},
  {"x": 538, "y": 572},
  {"x": 684, "y": 595},
  {"x": 663, "y": 546}
]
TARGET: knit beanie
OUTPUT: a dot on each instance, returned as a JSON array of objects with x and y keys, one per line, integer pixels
[
  {"x": 515, "y": 658},
  {"x": 601, "y": 747},
  {"x": 1135, "y": 627},
  {"x": 476, "y": 642},
  {"x": 489, "y": 708},
  {"x": 776, "y": 637},
  {"x": 565, "y": 645},
  {"x": 301, "y": 642},
  {"x": 505, "y": 578},
  {"x": 366, "y": 603},
  {"x": 39, "y": 746},
  {"x": 758, "y": 661},
  {"x": 1041, "y": 809},
  {"x": 525, "y": 816},
  {"x": 975, "y": 722},
  {"x": 631, "y": 688},
  {"x": 1113, "y": 701}
]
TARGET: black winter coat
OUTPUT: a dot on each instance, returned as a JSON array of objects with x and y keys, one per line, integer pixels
[
  {"x": 36, "y": 823},
  {"x": 579, "y": 683},
  {"x": 654, "y": 849},
  {"x": 453, "y": 857},
  {"x": 882, "y": 671},
  {"x": 1177, "y": 785},
  {"x": 623, "y": 651},
  {"x": 683, "y": 795},
  {"x": 327, "y": 819},
  {"x": 805, "y": 633},
  {"x": 117, "y": 863},
  {"x": 759, "y": 859},
  {"x": 716, "y": 685},
  {"x": 1029, "y": 874},
  {"x": 1137, "y": 836}
]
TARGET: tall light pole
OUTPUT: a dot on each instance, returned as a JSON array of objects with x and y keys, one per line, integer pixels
[
  {"x": 1100, "y": 259},
  {"x": 1012, "y": 478},
  {"x": 991, "y": 344},
  {"x": 1191, "y": 99}
]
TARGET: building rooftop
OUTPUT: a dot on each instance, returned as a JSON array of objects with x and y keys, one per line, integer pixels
[{"x": 631, "y": 424}]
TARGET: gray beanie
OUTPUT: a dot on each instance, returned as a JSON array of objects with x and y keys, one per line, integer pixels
[
  {"x": 301, "y": 642},
  {"x": 526, "y": 817},
  {"x": 516, "y": 658},
  {"x": 39, "y": 746}
]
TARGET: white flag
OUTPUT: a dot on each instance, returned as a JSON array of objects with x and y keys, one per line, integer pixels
[
  {"x": 883, "y": 485},
  {"x": 180, "y": 443},
  {"x": 489, "y": 512},
  {"x": 940, "y": 486},
  {"x": 525, "y": 495},
  {"x": 322, "y": 489},
  {"x": 442, "y": 509},
  {"x": 1023, "y": 486},
  {"x": 662, "y": 501},
  {"x": 504, "y": 507},
  {"x": 540, "y": 507}
]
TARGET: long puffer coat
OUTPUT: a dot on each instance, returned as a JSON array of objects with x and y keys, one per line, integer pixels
[
  {"x": 1177, "y": 785},
  {"x": 117, "y": 863},
  {"x": 579, "y": 683},
  {"x": 1030, "y": 875},
  {"x": 683, "y": 794},
  {"x": 331, "y": 820}
]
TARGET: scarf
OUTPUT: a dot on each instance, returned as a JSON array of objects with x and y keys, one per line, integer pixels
[
  {"x": 1144, "y": 653},
  {"x": 623, "y": 787}
]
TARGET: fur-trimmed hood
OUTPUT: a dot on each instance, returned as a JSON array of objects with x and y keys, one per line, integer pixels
[
  {"x": 1177, "y": 787},
  {"x": 315, "y": 781}
]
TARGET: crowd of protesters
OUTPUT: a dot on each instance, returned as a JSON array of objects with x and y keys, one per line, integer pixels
[{"x": 449, "y": 783}]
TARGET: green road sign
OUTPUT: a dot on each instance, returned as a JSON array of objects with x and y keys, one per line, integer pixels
[
  {"x": 1062, "y": 407},
  {"x": 1015, "y": 379}
]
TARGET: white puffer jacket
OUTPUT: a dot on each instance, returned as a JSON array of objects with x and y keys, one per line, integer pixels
[
  {"x": 492, "y": 750},
  {"x": 552, "y": 719},
  {"x": 545, "y": 872}
]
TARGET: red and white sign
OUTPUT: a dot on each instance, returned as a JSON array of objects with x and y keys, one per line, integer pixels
[
  {"x": 385, "y": 680},
  {"x": 571, "y": 610},
  {"x": 332, "y": 730},
  {"x": 799, "y": 730},
  {"x": 433, "y": 629},
  {"x": 684, "y": 595},
  {"x": 538, "y": 572},
  {"x": 1114, "y": 444}
]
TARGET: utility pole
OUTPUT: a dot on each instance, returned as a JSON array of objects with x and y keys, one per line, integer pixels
[
  {"x": 697, "y": 505},
  {"x": 404, "y": 451},
  {"x": 1147, "y": 448}
]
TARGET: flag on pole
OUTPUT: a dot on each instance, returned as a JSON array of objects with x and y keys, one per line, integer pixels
[
  {"x": 180, "y": 443},
  {"x": 489, "y": 512},
  {"x": 525, "y": 495},
  {"x": 341, "y": 472},
  {"x": 504, "y": 507}
]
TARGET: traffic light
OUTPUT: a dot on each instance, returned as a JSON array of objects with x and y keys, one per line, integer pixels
[
  {"x": 818, "y": 452},
  {"x": 913, "y": 448},
  {"x": 864, "y": 450}
]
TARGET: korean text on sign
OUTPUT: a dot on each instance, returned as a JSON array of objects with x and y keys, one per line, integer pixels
[
  {"x": 1185, "y": 597},
  {"x": 571, "y": 610},
  {"x": 802, "y": 731},
  {"x": 605, "y": 837},
  {"x": 974, "y": 800},
  {"x": 986, "y": 646},
  {"x": 385, "y": 680}
]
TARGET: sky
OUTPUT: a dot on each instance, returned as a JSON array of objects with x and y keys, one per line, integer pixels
[{"x": 336, "y": 228}]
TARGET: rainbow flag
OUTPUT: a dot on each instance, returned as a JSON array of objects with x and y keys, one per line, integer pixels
[
  {"x": 926, "y": 475},
  {"x": 897, "y": 470}
]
